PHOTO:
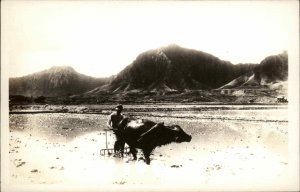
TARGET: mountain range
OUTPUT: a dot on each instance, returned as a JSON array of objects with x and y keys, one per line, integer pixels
[
  {"x": 53, "y": 82},
  {"x": 271, "y": 73},
  {"x": 176, "y": 68},
  {"x": 163, "y": 70}
]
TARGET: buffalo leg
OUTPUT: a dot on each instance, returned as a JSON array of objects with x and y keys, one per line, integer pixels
[
  {"x": 119, "y": 148},
  {"x": 116, "y": 146},
  {"x": 119, "y": 145},
  {"x": 133, "y": 152},
  {"x": 122, "y": 145},
  {"x": 147, "y": 153}
]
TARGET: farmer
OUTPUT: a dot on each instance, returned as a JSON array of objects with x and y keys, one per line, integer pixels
[{"x": 113, "y": 122}]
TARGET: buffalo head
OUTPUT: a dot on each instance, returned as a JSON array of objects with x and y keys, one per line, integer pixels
[
  {"x": 160, "y": 134},
  {"x": 179, "y": 134}
]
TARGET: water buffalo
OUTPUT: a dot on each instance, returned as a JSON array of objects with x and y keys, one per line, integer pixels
[{"x": 147, "y": 135}]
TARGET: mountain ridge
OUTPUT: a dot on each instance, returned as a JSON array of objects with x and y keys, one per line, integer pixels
[
  {"x": 162, "y": 71},
  {"x": 55, "y": 81},
  {"x": 271, "y": 70},
  {"x": 175, "y": 68}
]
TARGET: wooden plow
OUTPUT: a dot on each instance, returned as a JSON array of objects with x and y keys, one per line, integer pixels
[{"x": 110, "y": 151}]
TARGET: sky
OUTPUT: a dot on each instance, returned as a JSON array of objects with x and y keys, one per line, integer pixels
[{"x": 100, "y": 38}]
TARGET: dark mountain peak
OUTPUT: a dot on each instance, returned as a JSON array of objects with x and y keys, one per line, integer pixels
[
  {"x": 56, "y": 81},
  {"x": 55, "y": 70},
  {"x": 61, "y": 69},
  {"x": 272, "y": 68},
  {"x": 278, "y": 59},
  {"x": 272, "y": 72},
  {"x": 175, "y": 68},
  {"x": 179, "y": 49},
  {"x": 171, "y": 46}
]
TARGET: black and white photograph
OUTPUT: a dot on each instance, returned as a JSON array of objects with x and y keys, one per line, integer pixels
[{"x": 149, "y": 95}]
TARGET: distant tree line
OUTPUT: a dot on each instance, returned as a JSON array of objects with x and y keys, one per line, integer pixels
[{"x": 20, "y": 99}]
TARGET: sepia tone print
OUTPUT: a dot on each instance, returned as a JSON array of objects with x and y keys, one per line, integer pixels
[{"x": 149, "y": 96}]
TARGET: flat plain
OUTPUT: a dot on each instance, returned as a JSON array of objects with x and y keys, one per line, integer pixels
[{"x": 233, "y": 147}]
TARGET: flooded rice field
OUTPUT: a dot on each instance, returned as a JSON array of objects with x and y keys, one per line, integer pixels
[{"x": 232, "y": 147}]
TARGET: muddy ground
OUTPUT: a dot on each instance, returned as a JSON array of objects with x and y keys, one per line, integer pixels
[{"x": 232, "y": 148}]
